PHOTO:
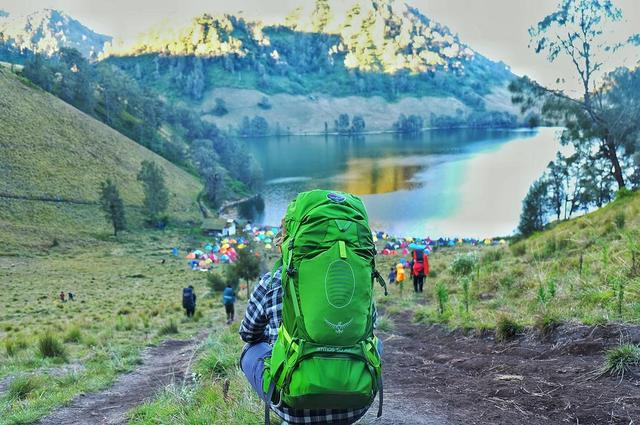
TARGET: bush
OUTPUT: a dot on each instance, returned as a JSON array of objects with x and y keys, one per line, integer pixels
[
  {"x": 620, "y": 219},
  {"x": 221, "y": 108},
  {"x": 74, "y": 334},
  {"x": 216, "y": 282},
  {"x": 22, "y": 386},
  {"x": 492, "y": 255},
  {"x": 442, "y": 295},
  {"x": 545, "y": 324},
  {"x": 518, "y": 249},
  {"x": 169, "y": 328},
  {"x": 506, "y": 328},
  {"x": 623, "y": 193},
  {"x": 10, "y": 347},
  {"x": 49, "y": 346},
  {"x": 622, "y": 359},
  {"x": 264, "y": 103},
  {"x": 385, "y": 324},
  {"x": 463, "y": 265}
]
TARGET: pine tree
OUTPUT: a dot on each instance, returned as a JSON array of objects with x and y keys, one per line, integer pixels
[
  {"x": 156, "y": 195},
  {"x": 112, "y": 205},
  {"x": 533, "y": 216}
]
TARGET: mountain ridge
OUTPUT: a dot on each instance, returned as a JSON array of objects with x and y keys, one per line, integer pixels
[{"x": 47, "y": 30}]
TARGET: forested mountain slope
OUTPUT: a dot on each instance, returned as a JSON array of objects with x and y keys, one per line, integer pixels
[{"x": 53, "y": 159}]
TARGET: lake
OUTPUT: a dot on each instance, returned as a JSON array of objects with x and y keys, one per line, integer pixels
[{"x": 466, "y": 183}]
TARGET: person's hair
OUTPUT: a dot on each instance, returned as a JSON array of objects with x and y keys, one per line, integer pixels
[
  {"x": 191, "y": 286},
  {"x": 282, "y": 232}
]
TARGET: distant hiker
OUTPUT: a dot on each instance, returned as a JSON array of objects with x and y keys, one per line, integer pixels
[
  {"x": 71, "y": 296},
  {"x": 392, "y": 275},
  {"x": 189, "y": 301},
  {"x": 327, "y": 268},
  {"x": 229, "y": 299},
  {"x": 419, "y": 269},
  {"x": 400, "y": 276},
  {"x": 62, "y": 296}
]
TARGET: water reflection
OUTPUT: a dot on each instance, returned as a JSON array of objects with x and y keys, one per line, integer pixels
[{"x": 453, "y": 182}]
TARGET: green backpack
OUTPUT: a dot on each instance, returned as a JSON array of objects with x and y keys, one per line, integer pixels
[{"x": 326, "y": 356}]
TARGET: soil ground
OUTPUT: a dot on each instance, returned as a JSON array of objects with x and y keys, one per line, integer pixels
[
  {"x": 162, "y": 365},
  {"x": 474, "y": 380}
]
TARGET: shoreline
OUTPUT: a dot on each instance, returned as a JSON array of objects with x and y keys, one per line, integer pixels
[{"x": 378, "y": 132}]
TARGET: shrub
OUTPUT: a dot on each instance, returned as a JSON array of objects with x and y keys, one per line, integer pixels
[
  {"x": 506, "y": 328},
  {"x": 492, "y": 255},
  {"x": 264, "y": 103},
  {"x": 22, "y": 386},
  {"x": 169, "y": 328},
  {"x": 623, "y": 193},
  {"x": 74, "y": 334},
  {"x": 385, "y": 324},
  {"x": 49, "y": 346},
  {"x": 442, "y": 295},
  {"x": 465, "y": 283},
  {"x": 463, "y": 265},
  {"x": 619, "y": 220},
  {"x": 221, "y": 107},
  {"x": 518, "y": 249},
  {"x": 622, "y": 359},
  {"x": 10, "y": 347},
  {"x": 216, "y": 282},
  {"x": 546, "y": 323},
  {"x": 507, "y": 281}
]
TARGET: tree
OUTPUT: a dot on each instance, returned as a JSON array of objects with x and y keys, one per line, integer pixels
[
  {"x": 247, "y": 267},
  {"x": 357, "y": 124},
  {"x": 220, "y": 108},
  {"x": 556, "y": 178},
  {"x": 342, "y": 124},
  {"x": 112, "y": 206},
  {"x": 533, "y": 216},
  {"x": 320, "y": 16},
  {"x": 156, "y": 195},
  {"x": 576, "y": 30}
]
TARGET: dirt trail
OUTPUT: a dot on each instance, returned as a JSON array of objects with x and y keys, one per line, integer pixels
[
  {"x": 161, "y": 365},
  {"x": 474, "y": 380}
]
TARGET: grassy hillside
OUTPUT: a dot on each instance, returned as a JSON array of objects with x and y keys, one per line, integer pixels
[
  {"x": 539, "y": 281},
  {"x": 50, "y": 150}
]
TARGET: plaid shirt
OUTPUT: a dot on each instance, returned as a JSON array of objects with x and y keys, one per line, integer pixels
[{"x": 260, "y": 323}]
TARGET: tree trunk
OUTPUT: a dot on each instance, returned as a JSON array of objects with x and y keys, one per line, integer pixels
[
  {"x": 248, "y": 290},
  {"x": 612, "y": 156}
]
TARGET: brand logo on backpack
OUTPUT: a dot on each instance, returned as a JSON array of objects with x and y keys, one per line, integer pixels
[
  {"x": 338, "y": 327},
  {"x": 336, "y": 197}
]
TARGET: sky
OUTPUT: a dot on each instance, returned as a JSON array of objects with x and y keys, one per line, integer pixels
[{"x": 495, "y": 28}]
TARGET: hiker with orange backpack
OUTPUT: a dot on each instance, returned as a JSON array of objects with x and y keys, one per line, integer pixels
[
  {"x": 311, "y": 354},
  {"x": 419, "y": 268}
]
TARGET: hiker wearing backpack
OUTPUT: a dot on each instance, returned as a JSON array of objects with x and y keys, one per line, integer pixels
[
  {"x": 189, "y": 301},
  {"x": 419, "y": 268},
  {"x": 229, "y": 299},
  {"x": 311, "y": 354}
]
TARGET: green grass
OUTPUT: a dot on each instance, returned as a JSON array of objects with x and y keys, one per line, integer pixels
[
  {"x": 537, "y": 282},
  {"x": 50, "y": 149},
  {"x": 218, "y": 392},
  {"x": 622, "y": 359},
  {"x": 124, "y": 297}
]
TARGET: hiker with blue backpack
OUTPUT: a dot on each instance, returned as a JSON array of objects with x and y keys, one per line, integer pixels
[
  {"x": 311, "y": 354},
  {"x": 228, "y": 300}
]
